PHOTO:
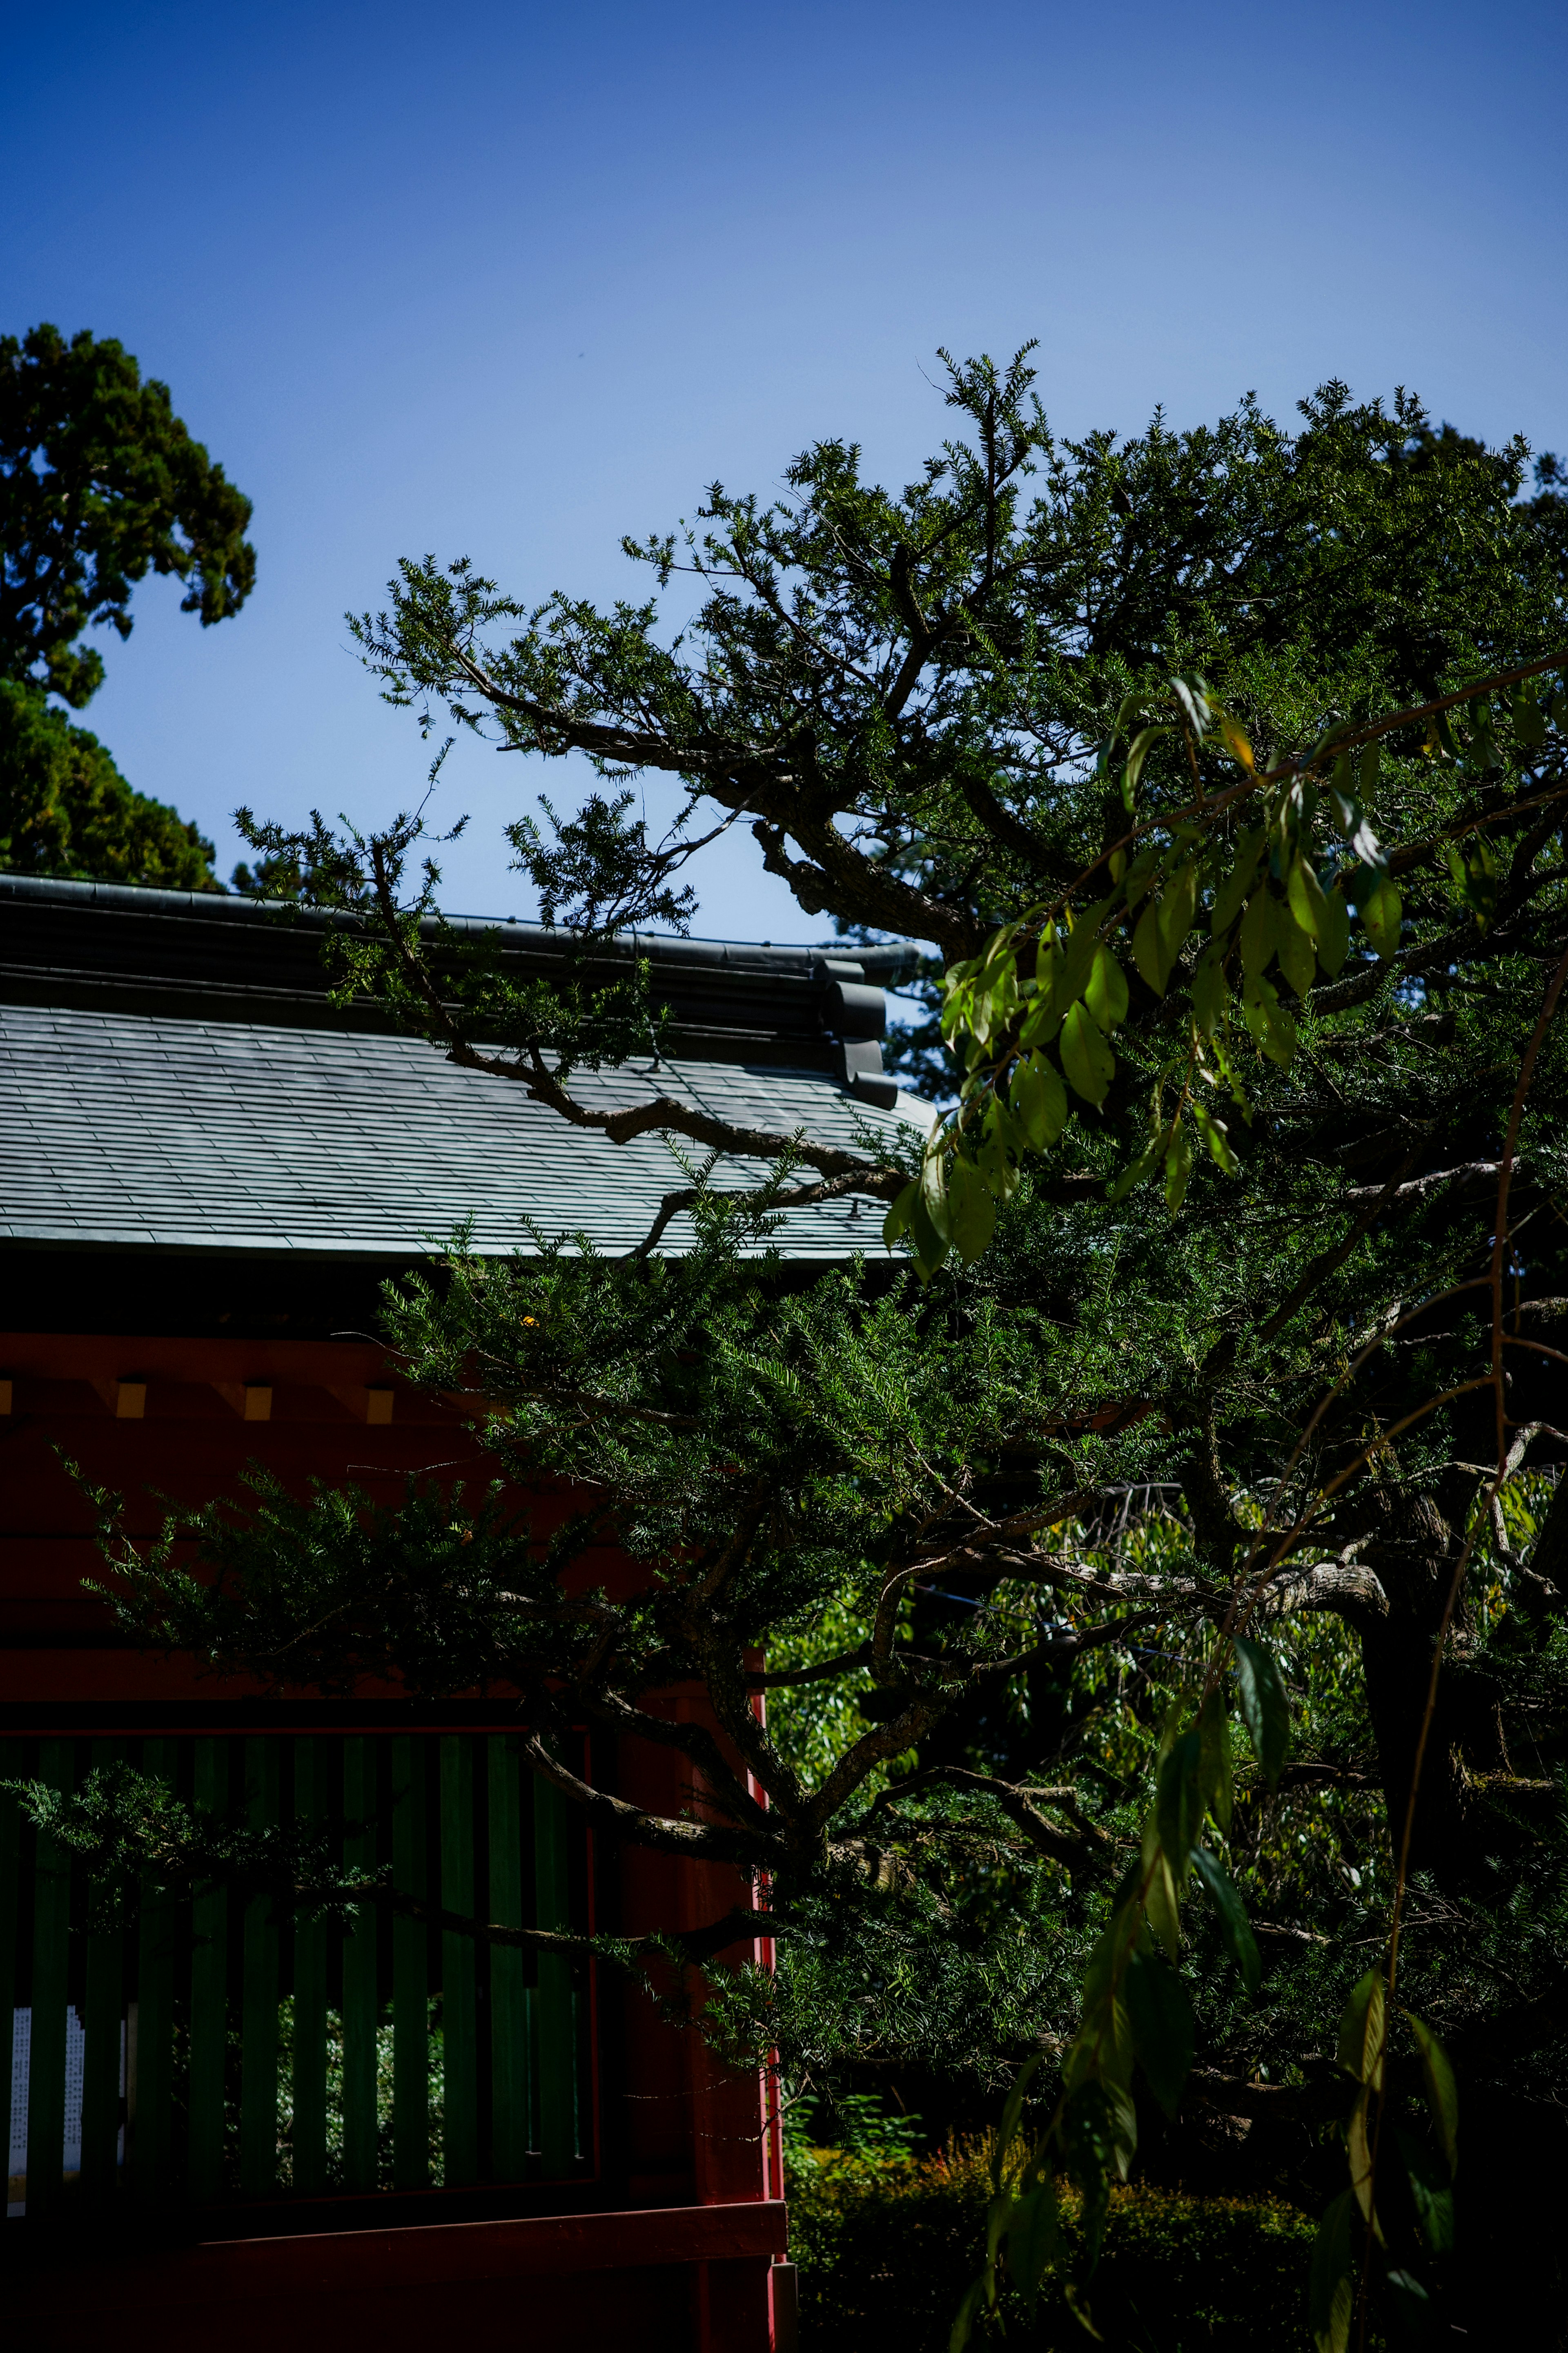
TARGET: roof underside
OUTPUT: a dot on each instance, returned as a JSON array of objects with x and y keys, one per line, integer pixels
[{"x": 127, "y": 1129}]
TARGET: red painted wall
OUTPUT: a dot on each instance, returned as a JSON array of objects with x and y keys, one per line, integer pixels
[{"x": 698, "y": 2272}]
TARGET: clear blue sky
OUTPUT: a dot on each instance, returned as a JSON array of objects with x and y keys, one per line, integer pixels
[{"x": 509, "y": 281}]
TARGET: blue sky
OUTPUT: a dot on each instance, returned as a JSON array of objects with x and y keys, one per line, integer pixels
[{"x": 509, "y": 281}]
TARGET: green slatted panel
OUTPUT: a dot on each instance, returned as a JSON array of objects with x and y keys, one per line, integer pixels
[
  {"x": 410, "y": 1975},
  {"x": 360, "y": 1989},
  {"x": 51, "y": 1959},
  {"x": 459, "y": 2001},
  {"x": 312, "y": 1807},
  {"x": 156, "y": 1934},
  {"x": 509, "y": 1994},
  {"x": 209, "y": 1994},
  {"x": 259, "y": 2006},
  {"x": 553, "y": 2012},
  {"x": 103, "y": 2022},
  {"x": 10, "y": 1870}
]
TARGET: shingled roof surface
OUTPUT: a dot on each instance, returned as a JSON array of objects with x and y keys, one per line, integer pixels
[{"x": 131, "y": 1116}]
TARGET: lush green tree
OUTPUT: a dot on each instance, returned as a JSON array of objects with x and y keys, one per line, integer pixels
[
  {"x": 65, "y": 808},
  {"x": 100, "y": 484},
  {"x": 1204, "y": 1384}
]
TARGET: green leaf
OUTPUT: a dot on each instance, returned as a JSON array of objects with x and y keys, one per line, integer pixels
[
  {"x": 1011, "y": 2115},
  {"x": 1330, "y": 2286},
  {"x": 933, "y": 1193},
  {"x": 1258, "y": 932},
  {"x": 1163, "y": 2029},
  {"x": 1216, "y": 1136},
  {"x": 1214, "y": 1784},
  {"x": 1178, "y": 1167},
  {"x": 1380, "y": 912},
  {"x": 1270, "y": 1024},
  {"x": 1086, "y": 1058},
  {"x": 1148, "y": 949},
  {"x": 1431, "y": 2191},
  {"x": 1334, "y": 937},
  {"x": 1160, "y": 1904},
  {"x": 1137, "y": 1173},
  {"x": 1363, "y": 2034},
  {"x": 1033, "y": 2239},
  {"x": 1176, "y": 906},
  {"x": 931, "y": 1248},
  {"x": 1411, "y": 2301},
  {"x": 1528, "y": 724},
  {"x": 964, "y": 2325},
  {"x": 1370, "y": 755},
  {"x": 1178, "y": 1806},
  {"x": 1138, "y": 752},
  {"x": 1231, "y": 895},
  {"x": 1106, "y": 992},
  {"x": 1209, "y": 990},
  {"x": 1077, "y": 955},
  {"x": 1307, "y": 900},
  {"x": 1442, "y": 2092},
  {"x": 1235, "y": 1927},
  {"x": 1265, "y": 1710},
  {"x": 1039, "y": 1101},
  {"x": 897, "y": 1220},
  {"x": 1298, "y": 957},
  {"x": 972, "y": 1210}
]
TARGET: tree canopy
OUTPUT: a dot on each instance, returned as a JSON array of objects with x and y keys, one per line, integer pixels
[
  {"x": 100, "y": 484},
  {"x": 1106, "y": 1539},
  {"x": 65, "y": 808}
]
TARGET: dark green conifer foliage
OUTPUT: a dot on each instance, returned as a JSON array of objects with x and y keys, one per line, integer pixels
[
  {"x": 1210, "y": 1392},
  {"x": 100, "y": 484}
]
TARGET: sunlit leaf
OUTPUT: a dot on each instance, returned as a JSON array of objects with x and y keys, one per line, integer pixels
[
  {"x": 933, "y": 1194},
  {"x": 1380, "y": 912},
  {"x": 1178, "y": 1167},
  {"x": 1106, "y": 991},
  {"x": 1216, "y": 1136},
  {"x": 1039, "y": 1101}
]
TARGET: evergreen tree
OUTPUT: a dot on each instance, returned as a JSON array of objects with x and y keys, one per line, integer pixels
[
  {"x": 1211, "y": 1374},
  {"x": 100, "y": 484}
]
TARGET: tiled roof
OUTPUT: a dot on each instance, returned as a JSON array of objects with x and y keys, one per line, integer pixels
[{"x": 131, "y": 1128}]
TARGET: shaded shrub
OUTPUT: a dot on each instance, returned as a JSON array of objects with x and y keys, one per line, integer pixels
[{"x": 886, "y": 2252}]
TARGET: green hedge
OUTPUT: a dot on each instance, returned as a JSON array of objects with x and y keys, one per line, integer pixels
[{"x": 886, "y": 2252}]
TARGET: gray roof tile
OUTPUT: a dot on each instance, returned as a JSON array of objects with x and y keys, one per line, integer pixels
[{"x": 135, "y": 1128}]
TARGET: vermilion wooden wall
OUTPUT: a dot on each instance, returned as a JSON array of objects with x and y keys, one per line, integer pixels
[{"x": 674, "y": 2240}]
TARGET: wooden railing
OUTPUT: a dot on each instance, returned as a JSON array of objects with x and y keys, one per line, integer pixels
[{"x": 224, "y": 2050}]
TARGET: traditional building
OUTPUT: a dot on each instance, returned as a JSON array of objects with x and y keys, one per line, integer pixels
[{"x": 227, "y": 2124}]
